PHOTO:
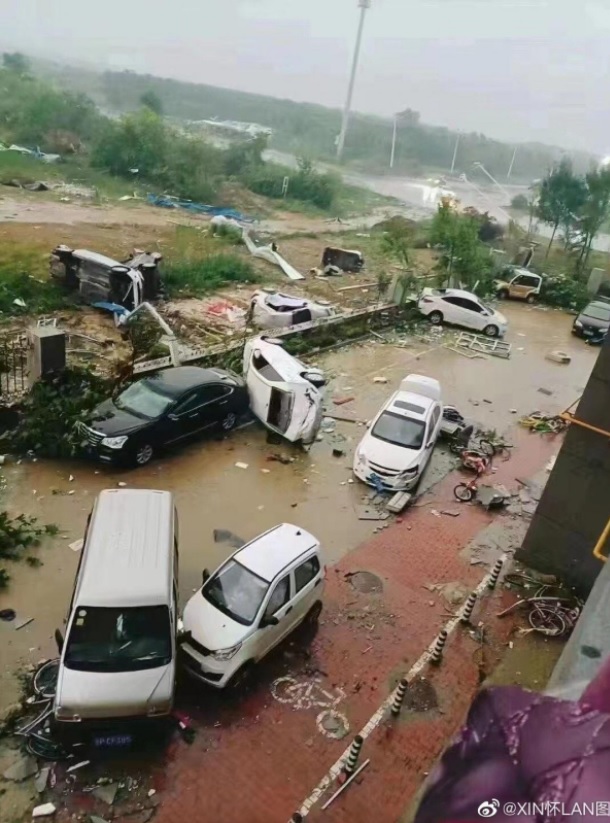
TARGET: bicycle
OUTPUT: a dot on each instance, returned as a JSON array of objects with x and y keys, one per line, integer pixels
[
  {"x": 466, "y": 492},
  {"x": 493, "y": 448}
]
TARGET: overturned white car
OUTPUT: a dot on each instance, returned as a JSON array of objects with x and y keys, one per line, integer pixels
[
  {"x": 399, "y": 442},
  {"x": 284, "y": 393},
  {"x": 273, "y": 310}
]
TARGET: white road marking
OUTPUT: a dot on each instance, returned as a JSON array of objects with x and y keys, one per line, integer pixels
[
  {"x": 376, "y": 719},
  {"x": 341, "y": 719}
]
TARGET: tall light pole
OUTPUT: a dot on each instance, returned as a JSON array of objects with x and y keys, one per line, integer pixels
[
  {"x": 364, "y": 6},
  {"x": 455, "y": 151},
  {"x": 394, "y": 133},
  {"x": 512, "y": 163}
]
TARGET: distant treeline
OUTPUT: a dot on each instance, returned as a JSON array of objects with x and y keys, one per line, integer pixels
[{"x": 305, "y": 129}]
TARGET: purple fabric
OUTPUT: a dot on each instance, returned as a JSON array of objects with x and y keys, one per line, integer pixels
[{"x": 524, "y": 747}]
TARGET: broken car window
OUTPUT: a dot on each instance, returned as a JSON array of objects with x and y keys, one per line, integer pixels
[
  {"x": 119, "y": 640},
  {"x": 279, "y": 598},
  {"x": 399, "y": 430},
  {"x": 236, "y": 592},
  {"x": 143, "y": 401},
  {"x": 306, "y": 572}
]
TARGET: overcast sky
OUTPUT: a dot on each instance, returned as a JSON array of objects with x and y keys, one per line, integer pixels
[{"x": 514, "y": 69}]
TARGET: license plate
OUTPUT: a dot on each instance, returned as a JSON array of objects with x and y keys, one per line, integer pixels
[
  {"x": 588, "y": 334},
  {"x": 113, "y": 741}
]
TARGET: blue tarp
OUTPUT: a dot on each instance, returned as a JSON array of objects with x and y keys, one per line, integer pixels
[{"x": 166, "y": 202}]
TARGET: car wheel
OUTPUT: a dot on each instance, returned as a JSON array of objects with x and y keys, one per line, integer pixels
[
  {"x": 313, "y": 615},
  {"x": 229, "y": 422},
  {"x": 531, "y": 298},
  {"x": 242, "y": 677},
  {"x": 143, "y": 454},
  {"x": 436, "y": 318},
  {"x": 503, "y": 294},
  {"x": 491, "y": 330}
]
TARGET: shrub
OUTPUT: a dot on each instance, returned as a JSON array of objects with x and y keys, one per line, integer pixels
[
  {"x": 191, "y": 278},
  {"x": 520, "y": 203},
  {"x": 564, "y": 292},
  {"x": 38, "y": 295}
]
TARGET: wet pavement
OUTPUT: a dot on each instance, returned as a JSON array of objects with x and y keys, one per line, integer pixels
[{"x": 314, "y": 491}]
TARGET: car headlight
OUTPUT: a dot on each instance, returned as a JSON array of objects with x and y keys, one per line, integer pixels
[
  {"x": 114, "y": 442},
  {"x": 360, "y": 459},
  {"x": 578, "y": 324},
  {"x": 67, "y": 715},
  {"x": 226, "y": 654},
  {"x": 410, "y": 472}
]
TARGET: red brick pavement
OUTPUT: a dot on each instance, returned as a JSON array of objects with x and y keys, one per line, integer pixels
[{"x": 257, "y": 760}]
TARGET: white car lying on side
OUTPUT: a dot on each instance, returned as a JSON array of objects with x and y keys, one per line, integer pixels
[
  {"x": 461, "y": 308},
  {"x": 399, "y": 442}
]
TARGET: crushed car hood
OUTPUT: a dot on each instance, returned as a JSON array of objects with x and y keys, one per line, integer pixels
[
  {"x": 112, "y": 421},
  {"x": 388, "y": 455}
]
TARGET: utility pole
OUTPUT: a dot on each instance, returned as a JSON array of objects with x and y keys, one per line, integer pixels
[
  {"x": 393, "y": 154},
  {"x": 455, "y": 151},
  {"x": 512, "y": 163},
  {"x": 364, "y": 6}
]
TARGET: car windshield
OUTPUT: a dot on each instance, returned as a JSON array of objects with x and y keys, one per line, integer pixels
[
  {"x": 236, "y": 592},
  {"x": 399, "y": 430},
  {"x": 597, "y": 312},
  {"x": 119, "y": 640},
  {"x": 486, "y": 307},
  {"x": 143, "y": 401}
]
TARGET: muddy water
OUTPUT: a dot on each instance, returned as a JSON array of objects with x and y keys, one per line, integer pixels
[{"x": 313, "y": 491}]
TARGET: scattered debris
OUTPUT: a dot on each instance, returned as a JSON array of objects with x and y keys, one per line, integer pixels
[
  {"x": 106, "y": 793},
  {"x": 241, "y": 465},
  {"x": 338, "y": 451},
  {"x": 341, "y": 401},
  {"x": 22, "y": 769},
  {"x": 77, "y": 545},
  {"x": 559, "y": 357},
  {"x": 551, "y": 464},
  {"x": 280, "y": 458},
  {"x": 398, "y": 502},
  {"x": 270, "y": 254},
  {"x": 25, "y": 621},
  {"x": 77, "y": 766},
  {"x": 451, "y": 514},
  {"x": 484, "y": 345},
  {"x": 492, "y": 497},
  {"x": 547, "y": 392},
  {"x": 382, "y": 380},
  {"x": 41, "y": 781},
  {"x": 365, "y": 513},
  {"x": 274, "y": 310},
  {"x": 8, "y": 615},
  {"x": 121, "y": 484},
  {"x": 46, "y": 810}
]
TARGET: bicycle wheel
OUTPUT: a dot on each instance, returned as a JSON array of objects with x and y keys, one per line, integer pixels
[
  {"x": 41, "y": 745},
  {"x": 547, "y": 620},
  {"x": 45, "y": 679},
  {"x": 464, "y": 493}
]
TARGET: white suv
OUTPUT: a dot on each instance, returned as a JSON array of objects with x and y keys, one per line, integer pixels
[
  {"x": 251, "y": 603},
  {"x": 461, "y": 308}
]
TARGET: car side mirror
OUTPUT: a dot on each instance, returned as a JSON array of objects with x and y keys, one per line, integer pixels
[
  {"x": 59, "y": 640},
  {"x": 369, "y": 423},
  {"x": 269, "y": 621},
  {"x": 430, "y": 444},
  {"x": 205, "y": 576}
]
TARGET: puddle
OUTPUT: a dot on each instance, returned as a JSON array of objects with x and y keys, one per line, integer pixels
[{"x": 314, "y": 491}]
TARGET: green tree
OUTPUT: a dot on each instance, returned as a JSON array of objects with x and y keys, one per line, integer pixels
[
  {"x": 138, "y": 141},
  {"x": 16, "y": 62},
  {"x": 594, "y": 211},
  {"x": 562, "y": 194},
  {"x": 465, "y": 257},
  {"x": 151, "y": 100}
]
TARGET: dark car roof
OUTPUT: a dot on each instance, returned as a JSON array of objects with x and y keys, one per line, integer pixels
[
  {"x": 597, "y": 304},
  {"x": 174, "y": 382}
]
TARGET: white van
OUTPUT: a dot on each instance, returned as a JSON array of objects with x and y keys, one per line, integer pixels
[{"x": 119, "y": 657}]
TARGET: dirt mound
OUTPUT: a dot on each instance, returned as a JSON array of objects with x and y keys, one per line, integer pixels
[{"x": 396, "y": 225}]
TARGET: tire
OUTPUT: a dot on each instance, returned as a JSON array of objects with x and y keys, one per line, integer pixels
[
  {"x": 531, "y": 298},
  {"x": 313, "y": 615},
  {"x": 242, "y": 677},
  {"x": 546, "y": 620},
  {"x": 503, "y": 294},
  {"x": 436, "y": 318},
  {"x": 487, "y": 448},
  {"x": 229, "y": 422},
  {"x": 143, "y": 454},
  {"x": 491, "y": 330},
  {"x": 463, "y": 493},
  {"x": 45, "y": 679}
]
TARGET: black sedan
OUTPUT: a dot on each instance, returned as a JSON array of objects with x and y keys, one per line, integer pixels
[
  {"x": 593, "y": 321},
  {"x": 162, "y": 411}
]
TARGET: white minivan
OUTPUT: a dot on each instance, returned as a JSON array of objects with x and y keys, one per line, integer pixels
[
  {"x": 251, "y": 603},
  {"x": 118, "y": 659}
]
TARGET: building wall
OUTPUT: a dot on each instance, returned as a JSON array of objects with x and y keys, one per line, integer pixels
[{"x": 575, "y": 505}]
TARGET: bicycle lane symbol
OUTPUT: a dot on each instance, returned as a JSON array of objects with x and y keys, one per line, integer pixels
[{"x": 309, "y": 694}]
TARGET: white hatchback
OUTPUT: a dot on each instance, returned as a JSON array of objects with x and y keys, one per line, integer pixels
[
  {"x": 399, "y": 443},
  {"x": 461, "y": 308},
  {"x": 251, "y": 603}
]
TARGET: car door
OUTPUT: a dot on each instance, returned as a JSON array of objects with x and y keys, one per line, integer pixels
[
  {"x": 452, "y": 310},
  {"x": 473, "y": 315},
  {"x": 307, "y": 587},
  {"x": 519, "y": 287},
  {"x": 198, "y": 410},
  {"x": 432, "y": 432},
  {"x": 279, "y": 605}
]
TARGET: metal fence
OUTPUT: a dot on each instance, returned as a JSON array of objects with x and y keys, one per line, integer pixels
[{"x": 13, "y": 367}]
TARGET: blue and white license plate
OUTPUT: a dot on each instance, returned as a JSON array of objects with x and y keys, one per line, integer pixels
[
  {"x": 113, "y": 741},
  {"x": 588, "y": 333}
]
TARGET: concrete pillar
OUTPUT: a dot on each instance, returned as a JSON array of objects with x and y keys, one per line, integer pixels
[
  {"x": 575, "y": 506},
  {"x": 46, "y": 352}
]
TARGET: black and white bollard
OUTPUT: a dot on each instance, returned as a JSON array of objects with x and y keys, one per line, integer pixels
[
  {"x": 297, "y": 817},
  {"x": 399, "y": 697},
  {"x": 468, "y": 607},
  {"x": 437, "y": 651},
  {"x": 354, "y": 753},
  {"x": 495, "y": 574}
]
